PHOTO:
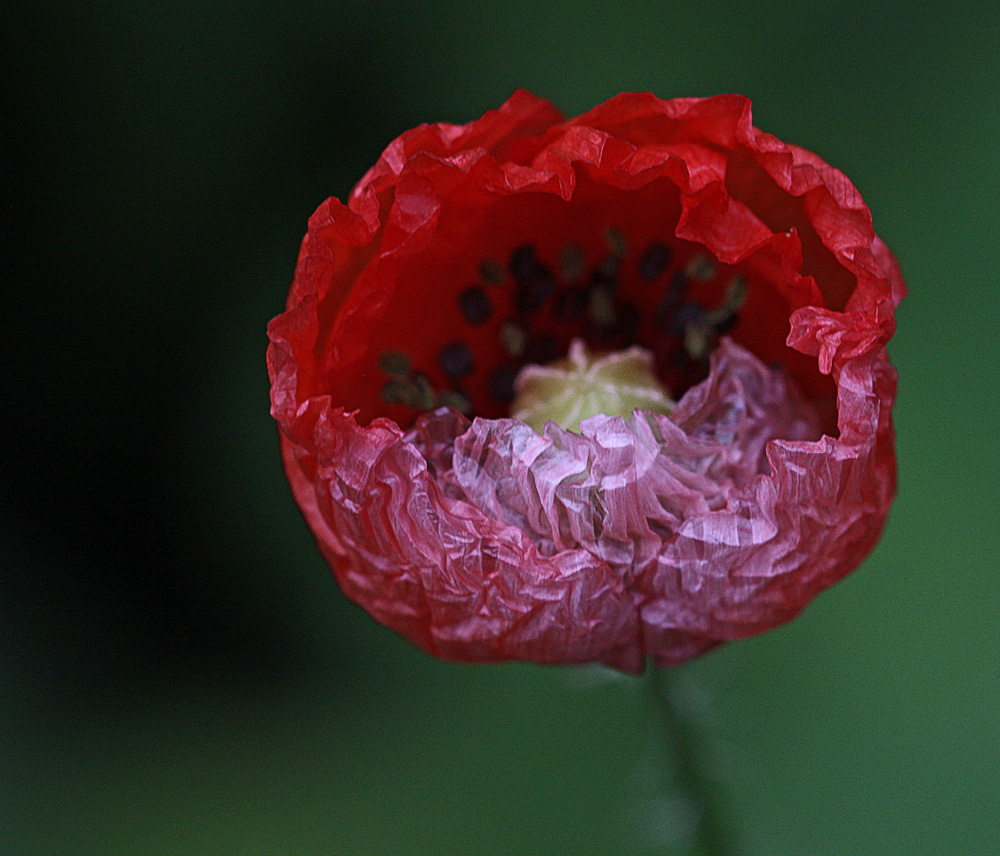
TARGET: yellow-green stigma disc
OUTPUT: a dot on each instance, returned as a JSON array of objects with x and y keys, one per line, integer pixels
[{"x": 585, "y": 384}]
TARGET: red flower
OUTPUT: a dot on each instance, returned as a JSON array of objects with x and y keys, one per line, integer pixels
[{"x": 747, "y": 267}]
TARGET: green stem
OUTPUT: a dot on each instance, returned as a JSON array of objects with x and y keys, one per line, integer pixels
[{"x": 679, "y": 735}]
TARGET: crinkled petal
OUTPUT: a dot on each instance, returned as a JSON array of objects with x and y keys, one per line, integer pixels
[
  {"x": 438, "y": 570},
  {"x": 622, "y": 490},
  {"x": 653, "y": 536}
]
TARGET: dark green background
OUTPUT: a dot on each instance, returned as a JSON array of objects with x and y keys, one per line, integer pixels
[{"x": 179, "y": 673}]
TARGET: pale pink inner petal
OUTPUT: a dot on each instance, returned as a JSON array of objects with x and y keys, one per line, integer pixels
[{"x": 621, "y": 489}]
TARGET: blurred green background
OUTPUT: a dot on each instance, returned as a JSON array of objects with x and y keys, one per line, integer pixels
[{"x": 179, "y": 673}]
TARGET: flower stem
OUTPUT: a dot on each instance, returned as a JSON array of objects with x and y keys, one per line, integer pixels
[{"x": 675, "y": 727}]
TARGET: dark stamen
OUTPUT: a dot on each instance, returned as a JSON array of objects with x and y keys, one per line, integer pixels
[
  {"x": 513, "y": 339},
  {"x": 654, "y": 261},
  {"x": 697, "y": 341},
  {"x": 688, "y": 315},
  {"x": 736, "y": 292},
  {"x": 395, "y": 391},
  {"x": 455, "y": 399},
  {"x": 423, "y": 392},
  {"x": 601, "y": 307},
  {"x": 531, "y": 296},
  {"x": 608, "y": 267},
  {"x": 456, "y": 360},
  {"x": 394, "y": 364},
  {"x": 725, "y": 316},
  {"x": 679, "y": 283},
  {"x": 535, "y": 279},
  {"x": 701, "y": 267},
  {"x": 475, "y": 305},
  {"x": 502, "y": 383},
  {"x": 578, "y": 298},
  {"x": 725, "y": 323},
  {"x": 415, "y": 391},
  {"x": 524, "y": 265}
]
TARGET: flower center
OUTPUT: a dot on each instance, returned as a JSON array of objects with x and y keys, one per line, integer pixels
[
  {"x": 524, "y": 309},
  {"x": 586, "y": 384}
]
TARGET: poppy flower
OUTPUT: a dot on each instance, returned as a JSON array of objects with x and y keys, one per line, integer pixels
[{"x": 477, "y": 267}]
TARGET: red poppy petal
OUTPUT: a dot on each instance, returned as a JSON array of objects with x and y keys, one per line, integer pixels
[
  {"x": 440, "y": 572},
  {"x": 662, "y": 537},
  {"x": 513, "y": 128}
]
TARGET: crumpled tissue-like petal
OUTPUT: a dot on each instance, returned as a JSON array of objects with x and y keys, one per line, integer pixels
[{"x": 469, "y": 251}]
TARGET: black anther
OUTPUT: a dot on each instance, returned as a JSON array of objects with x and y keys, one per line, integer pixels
[
  {"x": 679, "y": 283},
  {"x": 502, "y": 383},
  {"x": 653, "y": 262},
  {"x": 456, "y": 360},
  {"x": 726, "y": 322},
  {"x": 686, "y": 315},
  {"x": 475, "y": 305},
  {"x": 536, "y": 282}
]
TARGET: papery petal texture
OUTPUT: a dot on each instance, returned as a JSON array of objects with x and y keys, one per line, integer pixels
[{"x": 750, "y": 270}]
